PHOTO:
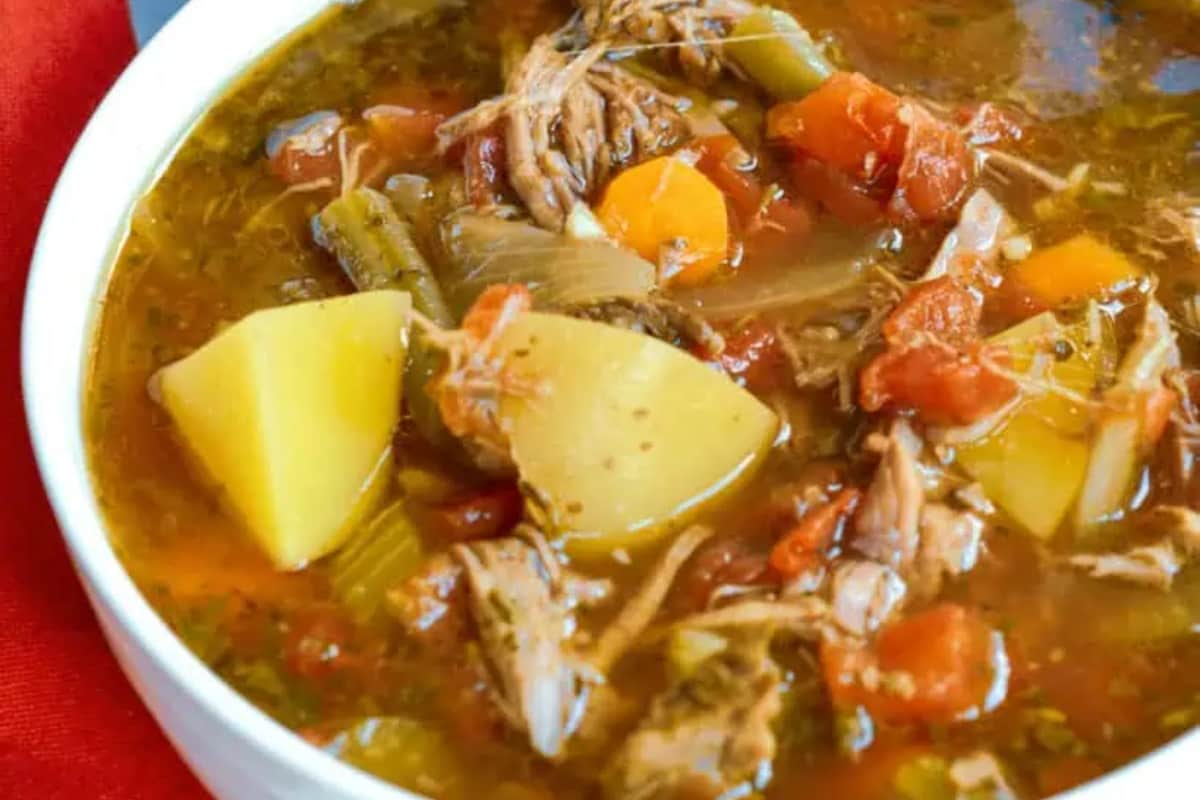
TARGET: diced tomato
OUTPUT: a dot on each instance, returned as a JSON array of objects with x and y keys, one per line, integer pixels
[
  {"x": 487, "y": 514},
  {"x": 947, "y": 653},
  {"x": 875, "y": 147},
  {"x": 782, "y": 222},
  {"x": 492, "y": 306},
  {"x": 306, "y": 150},
  {"x": 403, "y": 133},
  {"x": 752, "y": 355},
  {"x": 851, "y": 201},
  {"x": 801, "y": 547},
  {"x": 849, "y": 122},
  {"x": 726, "y": 163},
  {"x": 935, "y": 172},
  {"x": 765, "y": 216},
  {"x": 935, "y": 363},
  {"x": 944, "y": 387},
  {"x": 726, "y": 561},
  {"x": 485, "y": 166},
  {"x": 318, "y": 645},
  {"x": 404, "y": 120},
  {"x": 941, "y": 307}
]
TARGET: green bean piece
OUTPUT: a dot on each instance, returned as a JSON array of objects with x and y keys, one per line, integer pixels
[
  {"x": 376, "y": 250},
  {"x": 778, "y": 54}
]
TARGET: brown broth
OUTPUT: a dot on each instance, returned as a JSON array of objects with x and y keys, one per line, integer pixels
[{"x": 1094, "y": 685}]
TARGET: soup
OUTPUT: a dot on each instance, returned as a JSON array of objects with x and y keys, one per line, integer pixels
[{"x": 689, "y": 399}]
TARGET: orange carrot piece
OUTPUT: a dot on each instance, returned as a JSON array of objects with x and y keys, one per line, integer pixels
[
  {"x": 665, "y": 204},
  {"x": 1077, "y": 269}
]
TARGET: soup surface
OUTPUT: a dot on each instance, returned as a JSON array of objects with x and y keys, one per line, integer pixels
[{"x": 686, "y": 399}]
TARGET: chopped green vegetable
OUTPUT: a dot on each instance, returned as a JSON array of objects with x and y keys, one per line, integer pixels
[
  {"x": 779, "y": 54},
  {"x": 1136, "y": 615},
  {"x": 387, "y": 551},
  {"x": 690, "y": 647},
  {"x": 924, "y": 778},
  {"x": 402, "y": 750},
  {"x": 376, "y": 250}
]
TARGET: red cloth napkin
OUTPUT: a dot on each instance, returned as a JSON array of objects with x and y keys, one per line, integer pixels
[{"x": 71, "y": 727}]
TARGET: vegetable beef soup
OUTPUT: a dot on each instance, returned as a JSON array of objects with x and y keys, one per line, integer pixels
[{"x": 689, "y": 399}]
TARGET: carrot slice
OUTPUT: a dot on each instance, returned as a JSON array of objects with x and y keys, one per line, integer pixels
[
  {"x": 1074, "y": 270},
  {"x": 666, "y": 204}
]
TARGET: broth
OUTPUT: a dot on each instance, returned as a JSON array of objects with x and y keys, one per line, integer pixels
[{"x": 1100, "y": 672}]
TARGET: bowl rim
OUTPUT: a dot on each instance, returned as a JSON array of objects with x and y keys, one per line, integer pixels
[{"x": 57, "y": 339}]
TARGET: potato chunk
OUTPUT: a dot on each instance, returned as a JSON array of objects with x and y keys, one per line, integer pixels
[
  {"x": 291, "y": 411},
  {"x": 1033, "y": 463},
  {"x": 627, "y": 434}
]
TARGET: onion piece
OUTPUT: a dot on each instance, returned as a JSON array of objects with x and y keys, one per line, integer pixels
[
  {"x": 1117, "y": 449},
  {"x": 833, "y": 263},
  {"x": 559, "y": 270}
]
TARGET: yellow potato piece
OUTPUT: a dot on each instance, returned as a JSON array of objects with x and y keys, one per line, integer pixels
[
  {"x": 291, "y": 411},
  {"x": 627, "y": 435},
  {"x": 1033, "y": 464}
]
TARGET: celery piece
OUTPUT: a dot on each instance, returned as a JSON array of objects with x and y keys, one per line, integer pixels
[
  {"x": 688, "y": 648},
  {"x": 924, "y": 778},
  {"x": 401, "y": 750},
  {"x": 778, "y": 54},
  {"x": 384, "y": 553}
]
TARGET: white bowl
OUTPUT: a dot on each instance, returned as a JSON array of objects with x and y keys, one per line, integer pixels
[{"x": 237, "y": 751}]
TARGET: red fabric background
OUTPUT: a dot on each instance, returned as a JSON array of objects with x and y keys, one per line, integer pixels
[{"x": 71, "y": 727}]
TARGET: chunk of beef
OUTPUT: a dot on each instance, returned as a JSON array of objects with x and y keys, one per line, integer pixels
[
  {"x": 950, "y": 545},
  {"x": 694, "y": 27},
  {"x": 888, "y": 522},
  {"x": 1153, "y": 565},
  {"x": 657, "y": 317},
  {"x": 865, "y": 594},
  {"x": 522, "y": 606},
  {"x": 706, "y": 736},
  {"x": 431, "y": 605},
  {"x": 822, "y": 355},
  {"x": 570, "y": 119}
]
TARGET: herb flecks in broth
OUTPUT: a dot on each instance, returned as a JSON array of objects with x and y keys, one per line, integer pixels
[{"x": 796, "y": 402}]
